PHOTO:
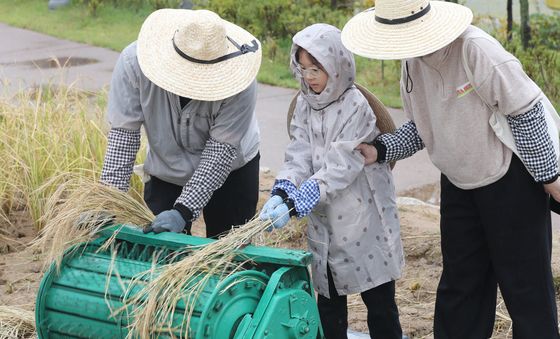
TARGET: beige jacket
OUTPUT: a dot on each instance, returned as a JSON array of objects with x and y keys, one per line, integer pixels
[{"x": 452, "y": 120}]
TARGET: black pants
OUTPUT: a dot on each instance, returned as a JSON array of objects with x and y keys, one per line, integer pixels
[
  {"x": 232, "y": 204},
  {"x": 496, "y": 235},
  {"x": 383, "y": 315}
]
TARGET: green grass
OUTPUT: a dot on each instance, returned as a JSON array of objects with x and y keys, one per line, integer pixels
[{"x": 115, "y": 28}]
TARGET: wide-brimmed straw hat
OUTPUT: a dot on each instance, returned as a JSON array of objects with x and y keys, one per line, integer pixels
[
  {"x": 403, "y": 29},
  {"x": 196, "y": 54},
  {"x": 384, "y": 121}
]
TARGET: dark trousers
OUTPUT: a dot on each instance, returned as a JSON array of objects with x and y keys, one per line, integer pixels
[
  {"x": 383, "y": 315},
  {"x": 232, "y": 204},
  {"x": 496, "y": 235}
]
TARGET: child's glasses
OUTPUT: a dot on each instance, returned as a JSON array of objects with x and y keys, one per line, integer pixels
[{"x": 310, "y": 73}]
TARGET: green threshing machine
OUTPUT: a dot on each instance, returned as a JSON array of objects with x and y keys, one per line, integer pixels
[{"x": 271, "y": 298}]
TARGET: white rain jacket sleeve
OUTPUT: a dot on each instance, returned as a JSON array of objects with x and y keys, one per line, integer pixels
[
  {"x": 297, "y": 160},
  {"x": 342, "y": 163}
]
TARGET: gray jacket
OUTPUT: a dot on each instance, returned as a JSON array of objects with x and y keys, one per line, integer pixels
[{"x": 178, "y": 136}]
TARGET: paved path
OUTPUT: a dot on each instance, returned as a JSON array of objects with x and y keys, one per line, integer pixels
[{"x": 25, "y": 55}]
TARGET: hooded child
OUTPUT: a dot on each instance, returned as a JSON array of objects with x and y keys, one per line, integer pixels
[{"x": 353, "y": 225}]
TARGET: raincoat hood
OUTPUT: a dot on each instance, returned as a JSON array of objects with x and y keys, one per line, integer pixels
[{"x": 323, "y": 42}]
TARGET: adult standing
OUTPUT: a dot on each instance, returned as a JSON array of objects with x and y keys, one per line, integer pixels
[
  {"x": 189, "y": 80},
  {"x": 495, "y": 218}
]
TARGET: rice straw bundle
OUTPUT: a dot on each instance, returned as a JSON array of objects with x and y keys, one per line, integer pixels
[
  {"x": 16, "y": 323},
  {"x": 79, "y": 208},
  {"x": 153, "y": 306}
]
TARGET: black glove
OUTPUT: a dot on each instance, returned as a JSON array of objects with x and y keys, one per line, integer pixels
[{"x": 169, "y": 221}]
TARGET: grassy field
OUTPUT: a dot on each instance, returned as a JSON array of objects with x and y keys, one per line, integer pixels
[{"x": 115, "y": 28}]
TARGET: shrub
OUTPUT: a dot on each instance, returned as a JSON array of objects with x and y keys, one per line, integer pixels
[
  {"x": 158, "y": 4},
  {"x": 92, "y": 6},
  {"x": 275, "y": 18},
  {"x": 545, "y": 31}
]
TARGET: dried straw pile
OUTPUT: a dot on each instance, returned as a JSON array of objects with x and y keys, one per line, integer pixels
[
  {"x": 79, "y": 208},
  {"x": 16, "y": 323}
]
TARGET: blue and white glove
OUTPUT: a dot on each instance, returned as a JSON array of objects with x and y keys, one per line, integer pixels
[
  {"x": 269, "y": 206},
  {"x": 167, "y": 221},
  {"x": 276, "y": 211},
  {"x": 280, "y": 215},
  {"x": 306, "y": 197}
]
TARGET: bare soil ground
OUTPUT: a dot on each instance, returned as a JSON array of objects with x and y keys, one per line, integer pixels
[{"x": 20, "y": 268}]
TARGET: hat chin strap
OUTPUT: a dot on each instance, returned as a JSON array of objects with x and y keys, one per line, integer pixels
[
  {"x": 404, "y": 20},
  {"x": 243, "y": 49}
]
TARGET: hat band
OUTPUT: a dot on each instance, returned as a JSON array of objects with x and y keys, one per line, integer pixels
[
  {"x": 243, "y": 49},
  {"x": 404, "y": 20}
]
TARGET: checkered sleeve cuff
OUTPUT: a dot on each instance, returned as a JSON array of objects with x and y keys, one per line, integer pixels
[
  {"x": 283, "y": 187},
  {"x": 212, "y": 171},
  {"x": 534, "y": 143},
  {"x": 404, "y": 142},
  {"x": 306, "y": 197},
  {"x": 122, "y": 147}
]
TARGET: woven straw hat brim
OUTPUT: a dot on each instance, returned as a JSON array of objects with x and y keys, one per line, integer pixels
[
  {"x": 207, "y": 82},
  {"x": 383, "y": 119},
  {"x": 439, "y": 27}
]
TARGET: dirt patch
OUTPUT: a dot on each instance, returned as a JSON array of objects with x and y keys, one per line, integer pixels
[{"x": 20, "y": 268}]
